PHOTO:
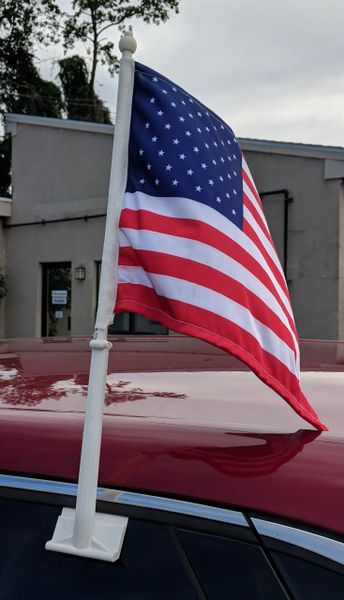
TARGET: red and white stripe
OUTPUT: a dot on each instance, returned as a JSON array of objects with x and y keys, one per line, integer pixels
[{"x": 186, "y": 265}]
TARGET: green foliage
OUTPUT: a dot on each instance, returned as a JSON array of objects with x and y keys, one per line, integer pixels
[
  {"x": 80, "y": 102},
  {"x": 5, "y": 166},
  {"x": 3, "y": 285},
  {"x": 22, "y": 90},
  {"x": 92, "y": 18}
]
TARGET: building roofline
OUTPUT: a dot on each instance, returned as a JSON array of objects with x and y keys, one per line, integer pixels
[
  {"x": 14, "y": 119},
  {"x": 247, "y": 144},
  {"x": 292, "y": 149}
]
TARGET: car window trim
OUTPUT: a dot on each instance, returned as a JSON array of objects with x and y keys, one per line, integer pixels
[
  {"x": 313, "y": 542},
  {"x": 136, "y": 499}
]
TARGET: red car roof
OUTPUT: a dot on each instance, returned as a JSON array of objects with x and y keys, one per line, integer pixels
[{"x": 182, "y": 418}]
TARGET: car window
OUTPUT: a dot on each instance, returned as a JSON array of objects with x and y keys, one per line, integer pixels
[
  {"x": 149, "y": 567},
  {"x": 230, "y": 568},
  {"x": 307, "y": 579}
]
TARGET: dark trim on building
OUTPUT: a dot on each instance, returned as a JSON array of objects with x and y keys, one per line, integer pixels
[
  {"x": 287, "y": 198},
  {"x": 47, "y": 222}
]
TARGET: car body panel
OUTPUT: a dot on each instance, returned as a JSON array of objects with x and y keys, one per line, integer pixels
[{"x": 181, "y": 419}]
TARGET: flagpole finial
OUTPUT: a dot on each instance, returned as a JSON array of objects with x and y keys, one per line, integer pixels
[{"x": 127, "y": 43}]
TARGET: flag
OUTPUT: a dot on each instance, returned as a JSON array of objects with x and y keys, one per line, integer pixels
[{"x": 195, "y": 250}]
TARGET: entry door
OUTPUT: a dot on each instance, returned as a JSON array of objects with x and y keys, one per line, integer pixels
[{"x": 56, "y": 300}]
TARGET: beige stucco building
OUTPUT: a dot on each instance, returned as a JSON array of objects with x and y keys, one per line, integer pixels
[{"x": 55, "y": 224}]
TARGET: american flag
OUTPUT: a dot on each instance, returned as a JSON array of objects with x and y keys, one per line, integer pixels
[{"x": 195, "y": 250}]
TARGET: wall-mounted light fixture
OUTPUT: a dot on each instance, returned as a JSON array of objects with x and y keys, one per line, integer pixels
[{"x": 80, "y": 273}]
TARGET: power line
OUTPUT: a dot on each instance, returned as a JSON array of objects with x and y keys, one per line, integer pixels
[{"x": 67, "y": 99}]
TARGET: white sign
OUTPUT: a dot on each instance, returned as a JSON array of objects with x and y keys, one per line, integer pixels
[
  {"x": 59, "y": 296},
  {"x": 58, "y": 314}
]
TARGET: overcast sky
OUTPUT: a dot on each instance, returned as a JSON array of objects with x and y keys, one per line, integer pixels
[{"x": 272, "y": 69}]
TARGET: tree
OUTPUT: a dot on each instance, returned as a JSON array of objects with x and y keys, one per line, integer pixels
[
  {"x": 75, "y": 84},
  {"x": 22, "y": 22},
  {"x": 92, "y": 18},
  {"x": 22, "y": 90}
]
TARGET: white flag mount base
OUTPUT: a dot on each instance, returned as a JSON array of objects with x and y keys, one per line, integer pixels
[{"x": 107, "y": 539}]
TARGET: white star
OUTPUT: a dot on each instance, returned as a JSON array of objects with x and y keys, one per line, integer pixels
[
  {"x": 183, "y": 102},
  {"x": 181, "y": 156},
  {"x": 173, "y": 104},
  {"x": 168, "y": 167},
  {"x": 207, "y": 114},
  {"x": 167, "y": 126},
  {"x": 235, "y": 192},
  {"x": 234, "y": 173},
  {"x": 196, "y": 149},
  {"x": 199, "y": 114},
  {"x": 214, "y": 162},
  {"x": 190, "y": 172},
  {"x": 191, "y": 100},
  {"x": 206, "y": 145},
  {"x": 147, "y": 125},
  {"x": 222, "y": 127},
  {"x": 229, "y": 142},
  {"x": 181, "y": 119},
  {"x": 164, "y": 91},
  {"x": 160, "y": 113},
  {"x": 215, "y": 144},
  {"x": 142, "y": 180},
  {"x": 155, "y": 79},
  {"x": 211, "y": 182},
  {"x": 199, "y": 130},
  {"x": 203, "y": 165},
  {"x": 229, "y": 158},
  {"x": 154, "y": 139},
  {"x": 234, "y": 156},
  {"x": 176, "y": 142},
  {"x": 221, "y": 178},
  {"x": 218, "y": 199},
  {"x": 188, "y": 133},
  {"x": 229, "y": 176},
  {"x": 215, "y": 128},
  {"x": 161, "y": 152},
  {"x": 156, "y": 182},
  {"x": 234, "y": 212},
  {"x": 175, "y": 182},
  {"x": 149, "y": 167},
  {"x": 207, "y": 129},
  {"x": 227, "y": 195},
  {"x": 222, "y": 142},
  {"x": 140, "y": 152},
  {"x": 174, "y": 89},
  {"x": 222, "y": 159},
  {"x": 191, "y": 115},
  {"x": 198, "y": 188},
  {"x": 152, "y": 100}
]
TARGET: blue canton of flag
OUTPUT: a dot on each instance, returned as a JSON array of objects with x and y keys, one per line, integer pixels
[{"x": 179, "y": 147}]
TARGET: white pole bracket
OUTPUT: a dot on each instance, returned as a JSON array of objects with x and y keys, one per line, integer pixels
[{"x": 107, "y": 539}]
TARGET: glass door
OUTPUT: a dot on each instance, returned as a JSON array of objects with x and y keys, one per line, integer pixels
[{"x": 56, "y": 299}]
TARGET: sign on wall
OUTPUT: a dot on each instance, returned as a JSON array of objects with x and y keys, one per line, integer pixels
[{"x": 59, "y": 296}]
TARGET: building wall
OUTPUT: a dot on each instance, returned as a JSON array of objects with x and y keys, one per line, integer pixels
[
  {"x": 313, "y": 236},
  {"x": 341, "y": 269},
  {"x": 28, "y": 247},
  {"x": 59, "y": 175}
]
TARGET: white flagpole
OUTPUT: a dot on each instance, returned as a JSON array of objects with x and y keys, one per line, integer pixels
[{"x": 83, "y": 531}]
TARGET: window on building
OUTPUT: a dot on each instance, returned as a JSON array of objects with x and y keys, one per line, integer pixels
[{"x": 130, "y": 323}]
